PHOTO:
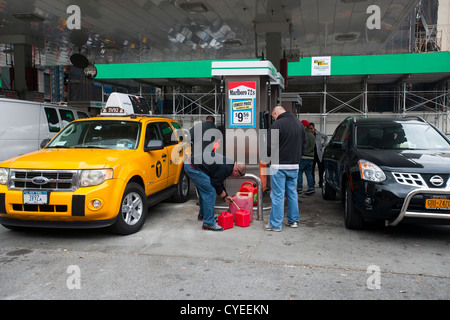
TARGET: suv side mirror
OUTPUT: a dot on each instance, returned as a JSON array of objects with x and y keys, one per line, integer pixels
[
  {"x": 154, "y": 145},
  {"x": 335, "y": 144}
]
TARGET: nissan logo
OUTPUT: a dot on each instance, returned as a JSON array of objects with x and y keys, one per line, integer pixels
[
  {"x": 437, "y": 181},
  {"x": 40, "y": 180}
]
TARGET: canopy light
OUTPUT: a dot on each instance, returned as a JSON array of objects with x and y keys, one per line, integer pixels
[
  {"x": 346, "y": 37},
  {"x": 193, "y": 7},
  {"x": 233, "y": 43},
  {"x": 29, "y": 17}
]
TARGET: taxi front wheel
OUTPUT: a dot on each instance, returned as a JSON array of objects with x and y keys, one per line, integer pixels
[
  {"x": 182, "y": 194},
  {"x": 133, "y": 210}
]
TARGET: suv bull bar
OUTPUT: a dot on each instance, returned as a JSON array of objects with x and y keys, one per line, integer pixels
[{"x": 430, "y": 215}]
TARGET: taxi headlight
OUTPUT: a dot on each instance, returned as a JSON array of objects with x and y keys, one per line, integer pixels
[
  {"x": 370, "y": 171},
  {"x": 90, "y": 178},
  {"x": 4, "y": 173}
]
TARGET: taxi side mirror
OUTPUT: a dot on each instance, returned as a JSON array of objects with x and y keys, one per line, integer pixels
[
  {"x": 154, "y": 145},
  {"x": 44, "y": 143}
]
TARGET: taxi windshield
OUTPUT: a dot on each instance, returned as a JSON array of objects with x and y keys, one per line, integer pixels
[{"x": 104, "y": 134}]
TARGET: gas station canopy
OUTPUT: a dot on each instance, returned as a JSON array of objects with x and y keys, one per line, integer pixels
[{"x": 415, "y": 68}]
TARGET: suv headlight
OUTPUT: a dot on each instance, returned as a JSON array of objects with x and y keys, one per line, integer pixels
[
  {"x": 90, "y": 178},
  {"x": 370, "y": 171},
  {"x": 4, "y": 174}
]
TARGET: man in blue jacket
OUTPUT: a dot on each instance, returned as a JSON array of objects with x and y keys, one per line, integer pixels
[{"x": 284, "y": 173}]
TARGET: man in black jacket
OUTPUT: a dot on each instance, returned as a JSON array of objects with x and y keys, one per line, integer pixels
[
  {"x": 291, "y": 143},
  {"x": 199, "y": 141},
  {"x": 209, "y": 180}
]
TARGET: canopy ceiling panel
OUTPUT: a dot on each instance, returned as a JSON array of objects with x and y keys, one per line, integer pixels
[{"x": 130, "y": 31}]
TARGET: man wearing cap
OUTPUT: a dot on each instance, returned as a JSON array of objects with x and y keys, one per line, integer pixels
[{"x": 306, "y": 163}]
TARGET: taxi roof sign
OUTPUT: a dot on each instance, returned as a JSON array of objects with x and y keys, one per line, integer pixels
[{"x": 122, "y": 104}]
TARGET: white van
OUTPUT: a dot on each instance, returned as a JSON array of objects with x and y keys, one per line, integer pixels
[{"x": 24, "y": 125}]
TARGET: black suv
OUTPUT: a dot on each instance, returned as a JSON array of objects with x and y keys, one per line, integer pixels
[{"x": 389, "y": 169}]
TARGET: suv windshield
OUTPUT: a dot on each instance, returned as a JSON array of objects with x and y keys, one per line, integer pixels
[
  {"x": 399, "y": 135},
  {"x": 98, "y": 134}
]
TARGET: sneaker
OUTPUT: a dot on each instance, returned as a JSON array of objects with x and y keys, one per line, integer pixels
[
  {"x": 214, "y": 227},
  {"x": 310, "y": 191},
  {"x": 268, "y": 227},
  {"x": 292, "y": 224},
  {"x": 199, "y": 217},
  {"x": 299, "y": 191}
]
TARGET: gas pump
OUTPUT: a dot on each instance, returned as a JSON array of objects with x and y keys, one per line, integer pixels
[{"x": 252, "y": 89}]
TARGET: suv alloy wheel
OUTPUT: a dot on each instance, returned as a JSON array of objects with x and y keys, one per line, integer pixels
[{"x": 133, "y": 210}]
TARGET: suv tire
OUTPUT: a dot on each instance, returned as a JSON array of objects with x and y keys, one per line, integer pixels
[
  {"x": 328, "y": 192},
  {"x": 133, "y": 210},
  {"x": 353, "y": 219}
]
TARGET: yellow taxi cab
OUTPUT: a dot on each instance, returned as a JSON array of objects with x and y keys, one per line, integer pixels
[{"x": 97, "y": 172}]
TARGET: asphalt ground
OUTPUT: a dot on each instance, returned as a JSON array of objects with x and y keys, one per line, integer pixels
[{"x": 172, "y": 258}]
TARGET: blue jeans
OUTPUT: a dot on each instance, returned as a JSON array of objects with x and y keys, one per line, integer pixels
[
  {"x": 283, "y": 183},
  {"x": 306, "y": 166},
  {"x": 206, "y": 193}
]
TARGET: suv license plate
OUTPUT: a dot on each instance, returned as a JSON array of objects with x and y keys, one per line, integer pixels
[
  {"x": 35, "y": 197},
  {"x": 437, "y": 203}
]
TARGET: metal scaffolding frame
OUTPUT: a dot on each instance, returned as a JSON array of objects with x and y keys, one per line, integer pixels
[
  {"x": 189, "y": 107},
  {"x": 434, "y": 102},
  {"x": 430, "y": 104},
  {"x": 433, "y": 105},
  {"x": 183, "y": 102}
]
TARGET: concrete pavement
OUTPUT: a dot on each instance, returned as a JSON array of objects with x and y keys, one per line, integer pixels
[{"x": 172, "y": 258}]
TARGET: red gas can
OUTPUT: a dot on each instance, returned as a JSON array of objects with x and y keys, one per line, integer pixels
[
  {"x": 225, "y": 220},
  {"x": 250, "y": 187},
  {"x": 242, "y": 218},
  {"x": 244, "y": 201}
]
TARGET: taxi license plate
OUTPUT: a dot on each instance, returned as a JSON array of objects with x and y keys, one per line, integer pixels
[
  {"x": 437, "y": 203},
  {"x": 35, "y": 197}
]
